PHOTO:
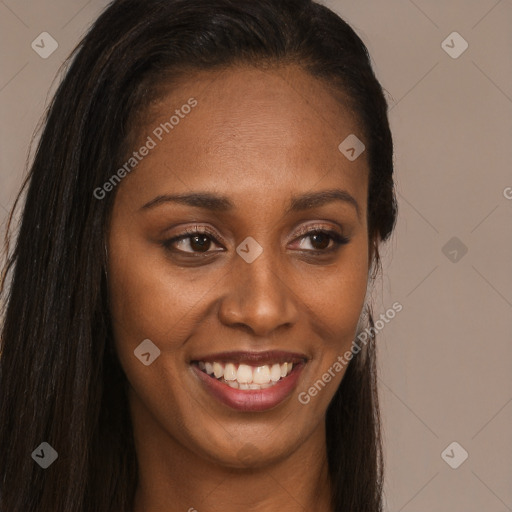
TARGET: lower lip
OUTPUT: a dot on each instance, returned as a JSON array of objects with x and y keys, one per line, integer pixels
[{"x": 251, "y": 400}]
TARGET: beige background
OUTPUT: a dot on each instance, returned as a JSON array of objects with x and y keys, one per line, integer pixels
[{"x": 446, "y": 359}]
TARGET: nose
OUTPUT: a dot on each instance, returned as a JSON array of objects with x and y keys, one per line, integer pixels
[{"x": 259, "y": 298}]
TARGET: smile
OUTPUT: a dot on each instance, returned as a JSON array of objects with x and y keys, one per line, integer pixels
[
  {"x": 249, "y": 382},
  {"x": 244, "y": 376}
]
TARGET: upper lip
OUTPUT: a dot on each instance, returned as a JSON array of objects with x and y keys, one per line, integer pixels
[{"x": 262, "y": 358}]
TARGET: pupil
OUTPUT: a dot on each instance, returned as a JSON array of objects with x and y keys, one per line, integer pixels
[
  {"x": 202, "y": 242},
  {"x": 324, "y": 240}
]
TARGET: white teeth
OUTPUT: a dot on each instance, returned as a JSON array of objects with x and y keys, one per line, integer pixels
[
  {"x": 230, "y": 372},
  {"x": 275, "y": 372},
  {"x": 218, "y": 370},
  {"x": 245, "y": 376},
  {"x": 261, "y": 375}
]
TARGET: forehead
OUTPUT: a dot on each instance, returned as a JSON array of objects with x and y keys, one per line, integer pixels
[
  {"x": 248, "y": 99},
  {"x": 251, "y": 128}
]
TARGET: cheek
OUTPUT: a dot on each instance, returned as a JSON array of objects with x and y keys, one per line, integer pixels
[
  {"x": 339, "y": 300},
  {"x": 338, "y": 308},
  {"x": 147, "y": 300}
]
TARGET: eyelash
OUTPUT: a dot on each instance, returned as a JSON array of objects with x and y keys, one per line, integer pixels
[{"x": 310, "y": 231}]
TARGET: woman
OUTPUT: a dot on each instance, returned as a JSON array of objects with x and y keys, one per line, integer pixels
[{"x": 202, "y": 224}]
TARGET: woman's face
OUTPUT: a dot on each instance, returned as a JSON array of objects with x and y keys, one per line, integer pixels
[{"x": 257, "y": 166}]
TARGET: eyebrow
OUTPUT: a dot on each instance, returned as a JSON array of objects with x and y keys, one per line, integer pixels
[{"x": 213, "y": 202}]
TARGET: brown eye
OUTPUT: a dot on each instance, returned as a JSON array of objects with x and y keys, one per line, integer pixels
[
  {"x": 320, "y": 241},
  {"x": 192, "y": 242},
  {"x": 200, "y": 243}
]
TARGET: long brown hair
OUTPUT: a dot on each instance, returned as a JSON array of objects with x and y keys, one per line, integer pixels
[{"x": 60, "y": 380}]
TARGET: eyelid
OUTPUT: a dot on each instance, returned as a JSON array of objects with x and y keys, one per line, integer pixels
[
  {"x": 198, "y": 230},
  {"x": 311, "y": 228}
]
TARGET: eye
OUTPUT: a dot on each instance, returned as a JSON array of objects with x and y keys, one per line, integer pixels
[
  {"x": 322, "y": 240},
  {"x": 198, "y": 240}
]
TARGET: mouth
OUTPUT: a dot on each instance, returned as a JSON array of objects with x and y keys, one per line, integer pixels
[{"x": 250, "y": 381}]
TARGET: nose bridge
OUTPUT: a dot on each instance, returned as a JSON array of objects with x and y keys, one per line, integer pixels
[
  {"x": 262, "y": 277},
  {"x": 258, "y": 295}
]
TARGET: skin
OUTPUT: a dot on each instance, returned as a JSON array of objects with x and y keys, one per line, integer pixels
[{"x": 257, "y": 137}]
